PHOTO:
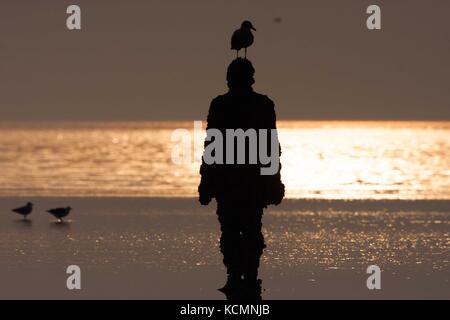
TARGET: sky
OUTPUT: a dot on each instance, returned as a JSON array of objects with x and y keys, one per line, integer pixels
[{"x": 161, "y": 60}]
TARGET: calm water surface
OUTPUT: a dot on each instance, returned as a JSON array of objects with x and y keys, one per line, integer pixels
[{"x": 329, "y": 160}]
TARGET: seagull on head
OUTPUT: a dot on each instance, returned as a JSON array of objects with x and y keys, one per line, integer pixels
[{"x": 242, "y": 38}]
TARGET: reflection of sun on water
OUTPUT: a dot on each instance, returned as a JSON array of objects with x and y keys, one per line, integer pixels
[
  {"x": 333, "y": 160},
  {"x": 366, "y": 160}
]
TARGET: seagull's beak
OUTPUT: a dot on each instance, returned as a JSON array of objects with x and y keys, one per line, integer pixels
[{"x": 252, "y": 28}]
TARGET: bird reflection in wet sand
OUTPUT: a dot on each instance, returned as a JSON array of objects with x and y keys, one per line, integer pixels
[
  {"x": 60, "y": 225},
  {"x": 23, "y": 223}
]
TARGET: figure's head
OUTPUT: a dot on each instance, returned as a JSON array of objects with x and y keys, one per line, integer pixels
[
  {"x": 247, "y": 25},
  {"x": 240, "y": 74},
  {"x": 29, "y": 204}
]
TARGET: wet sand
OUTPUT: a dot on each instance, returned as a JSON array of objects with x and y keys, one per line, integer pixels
[{"x": 162, "y": 248}]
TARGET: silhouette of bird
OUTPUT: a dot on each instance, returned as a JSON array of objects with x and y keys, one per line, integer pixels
[
  {"x": 60, "y": 213},
  {"x": 26, "y": 210},
  {"x": 243, "y": 37}
]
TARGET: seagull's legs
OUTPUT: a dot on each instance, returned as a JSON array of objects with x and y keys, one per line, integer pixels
[{"x": 245, "y": 50}]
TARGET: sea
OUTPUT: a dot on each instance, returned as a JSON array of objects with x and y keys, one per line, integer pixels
[{"x": 320, "y": 159}]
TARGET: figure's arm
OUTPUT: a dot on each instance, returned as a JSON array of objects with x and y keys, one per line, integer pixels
[
  {"x": 276, "y": 189},
  {"x": 206, "y": 189},
  {"x": 272, "y": 122}
]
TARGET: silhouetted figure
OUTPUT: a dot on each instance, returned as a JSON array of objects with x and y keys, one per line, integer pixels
[
  {"x": 240, "y": 189},
  {"x": 24, "y": 211},
  {"x": 242, "y": 38},
  {"x": 60, "y": 213}
]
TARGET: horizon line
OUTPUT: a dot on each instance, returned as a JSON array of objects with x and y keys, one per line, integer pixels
[{"x": 204, "y": 120}]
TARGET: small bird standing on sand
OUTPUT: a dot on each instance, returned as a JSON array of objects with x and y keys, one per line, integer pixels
[
  {"x": 243, "y": 37},
  {"x": 60, "y": 213},
  {"x": 26, "y": 210}
]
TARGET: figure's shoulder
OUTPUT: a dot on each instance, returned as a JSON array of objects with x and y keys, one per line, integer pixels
[
  {"x": 219, "y": 100},
  {"x": 261, "y": 100},
  {"x": 218, "y": 104},
  {"x": 264, "y": 100}
]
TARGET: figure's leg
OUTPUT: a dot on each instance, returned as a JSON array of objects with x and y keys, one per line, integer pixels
[
  {"x": 230, "y": 243},
  {"x": 245, "y": 53},
  {"x": 253, "y": 241}
]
